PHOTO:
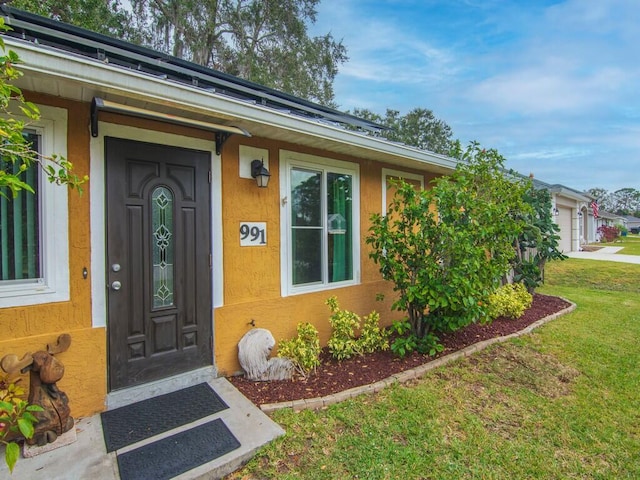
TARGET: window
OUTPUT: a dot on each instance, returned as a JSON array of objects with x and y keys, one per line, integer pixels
[
  {"x": 320, "y": 223},
  {"x": 34, "y": 258},
  {"x": 19, "y": 225}
]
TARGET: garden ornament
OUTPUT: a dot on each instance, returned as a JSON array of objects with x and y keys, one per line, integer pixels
[
  {"x": 45, "y": 370},
  {"x": 254, "y": 350}
]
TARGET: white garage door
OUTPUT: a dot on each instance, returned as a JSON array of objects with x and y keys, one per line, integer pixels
[{"x": 564, "y": 222}]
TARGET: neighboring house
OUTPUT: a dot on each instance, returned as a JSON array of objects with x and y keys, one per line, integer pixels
[
  {"x": 632, "y": 222},
  {"x": 173, "y": 252},
  {"x": 573, "y": 214},
  {"x": 609, "y": 219}
]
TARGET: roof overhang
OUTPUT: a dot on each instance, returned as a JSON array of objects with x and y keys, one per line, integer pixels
[
  {"x": 60, "y": 73},
  {"x": 563, "y": 191}
]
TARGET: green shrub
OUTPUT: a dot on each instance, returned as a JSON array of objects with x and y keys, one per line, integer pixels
[
  {"x": 344, "y": 343},
  {"x": 510, "y": 300},
  {"x": 373, "y": 337},
  {"x": 303, "y": 350},
  {"x": 407, "y": 342}
]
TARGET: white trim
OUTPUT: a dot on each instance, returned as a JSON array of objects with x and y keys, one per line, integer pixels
[
  {"x": 104, "y": 77},
  {"x": 388, "y": 172},
  {"x": 290, "y": 159},
  {"x": 53, "y": 209},
  {"x": 98, "y": 207}
]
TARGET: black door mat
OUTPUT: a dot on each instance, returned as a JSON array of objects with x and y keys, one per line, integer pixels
[
  {"x": 178, "y": 453},
  {"x": 127, "y": 425}
]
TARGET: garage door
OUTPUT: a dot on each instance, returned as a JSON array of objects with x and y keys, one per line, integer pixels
[{"x": 564, "y": 222}]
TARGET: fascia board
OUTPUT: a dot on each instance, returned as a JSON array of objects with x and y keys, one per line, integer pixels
[{"x": 104, "y": 77}]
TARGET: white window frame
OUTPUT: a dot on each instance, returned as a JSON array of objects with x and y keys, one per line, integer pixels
[
  {"x": 388, "y": 172},
  {"x": 288, "y": 160},
  {"x": 53, "y": 284}
]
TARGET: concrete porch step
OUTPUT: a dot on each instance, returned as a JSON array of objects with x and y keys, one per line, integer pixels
[{"x": 88, "y": 458}]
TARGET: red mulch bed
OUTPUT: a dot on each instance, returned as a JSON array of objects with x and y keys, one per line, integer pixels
[{"x": 333, "y": 376}]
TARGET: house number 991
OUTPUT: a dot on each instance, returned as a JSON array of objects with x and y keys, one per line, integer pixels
[{"x": 253, "y": 234}]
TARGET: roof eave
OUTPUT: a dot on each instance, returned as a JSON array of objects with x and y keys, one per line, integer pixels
[{"x": 95, "y": 78}]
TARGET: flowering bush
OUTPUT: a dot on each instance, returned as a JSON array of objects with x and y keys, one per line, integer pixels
[
  {"x": 608, "y": 233},
  {"x": 510, "y": 300}
]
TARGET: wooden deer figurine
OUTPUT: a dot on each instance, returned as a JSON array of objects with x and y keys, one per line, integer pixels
[{"x": 45, "y": 370}]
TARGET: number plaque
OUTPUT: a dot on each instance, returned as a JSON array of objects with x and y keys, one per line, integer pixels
[{"x": 253, "y": 234}]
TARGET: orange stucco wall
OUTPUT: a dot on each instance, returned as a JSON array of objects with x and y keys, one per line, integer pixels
[
  {"x": 252, "y": 275},
  {"x": 30, "y": 328}
]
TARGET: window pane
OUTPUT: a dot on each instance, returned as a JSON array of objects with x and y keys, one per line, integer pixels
[
  {"x": 306, "y": 188},
  {"x": 339, "y": 227},
  {"x": 19, "y": 225},
  {"x": 162, "y": 246},
  {"x": 307, "y": 255}
]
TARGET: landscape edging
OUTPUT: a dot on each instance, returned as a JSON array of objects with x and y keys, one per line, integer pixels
[{"x": 411, "y": 374}]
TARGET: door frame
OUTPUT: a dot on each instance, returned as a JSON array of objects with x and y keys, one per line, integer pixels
[{"x": 98, "y": 212}]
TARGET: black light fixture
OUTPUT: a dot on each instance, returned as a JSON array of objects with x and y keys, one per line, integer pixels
[
  {"x": 556, "y": 212},
  {"x": 579, "y": 214},
  {"x": 260, "y": 173}
]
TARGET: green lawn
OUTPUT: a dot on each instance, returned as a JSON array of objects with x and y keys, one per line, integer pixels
[
  {"x": 630, "y": 244},
  {"x": 562, "y": 402}
]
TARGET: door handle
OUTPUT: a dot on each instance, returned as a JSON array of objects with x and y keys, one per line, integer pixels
[{"x": 116, "y": 285}]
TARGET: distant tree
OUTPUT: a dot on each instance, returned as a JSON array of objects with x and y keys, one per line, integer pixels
[
  {"x": 626, "y": 201},
  {"x": 265, "y": 41},
  {"x": 108, "y": 17},
  {"x": 603, "y": 197},
  {"x": 419, "y": 128}
]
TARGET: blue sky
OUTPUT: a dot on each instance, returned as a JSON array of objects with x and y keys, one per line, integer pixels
[{"x": 553, "y": 85}]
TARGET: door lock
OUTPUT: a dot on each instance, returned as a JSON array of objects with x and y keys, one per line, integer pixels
[{"x": 116, "y": 285}]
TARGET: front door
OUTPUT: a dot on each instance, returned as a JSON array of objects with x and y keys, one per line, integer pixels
[{"x": 158, "y": 261}]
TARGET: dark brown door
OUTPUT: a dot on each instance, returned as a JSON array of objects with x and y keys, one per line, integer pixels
[{"x": 158, "y": 261}]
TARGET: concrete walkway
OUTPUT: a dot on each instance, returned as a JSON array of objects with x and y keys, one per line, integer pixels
[
  {"x": 608, "y": 254},
  {"x": 87, "y": 457}
]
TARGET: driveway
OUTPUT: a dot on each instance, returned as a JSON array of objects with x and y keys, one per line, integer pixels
[{"x": 606, "y": 253}]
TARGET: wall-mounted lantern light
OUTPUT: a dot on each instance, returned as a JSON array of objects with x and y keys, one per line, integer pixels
[
  {"x": 260, "y": 173},
  {"x": 556, "y": 212},
  {"x": 579, "y": 214}
]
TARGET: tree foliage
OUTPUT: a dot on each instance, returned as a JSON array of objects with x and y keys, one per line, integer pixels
[
  {"x": 264, "y": 41},
  {"x": 108, "y": 17},
  {"x": 419, "y": 128},
  {"x": 16, "y": 153},
  {"x": 538, "y": 242},
  {"x": 625, "y": 201},
  {"x": 446, "y": 248}
]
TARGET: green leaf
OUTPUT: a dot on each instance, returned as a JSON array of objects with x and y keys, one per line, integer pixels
[
  {"x": 11, "y": 455},
  {"x": 26, "y": 427}
]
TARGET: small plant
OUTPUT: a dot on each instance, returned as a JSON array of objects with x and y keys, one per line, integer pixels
[
  {"x": 343, "y": 343},
  {"x": 15, "y": 419},
  {"x": 510, "y": 300},
  {"x": 303, "y": 350},
  {"x": 407, "y": 342},
  {"x": 373, "y": 337}
]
